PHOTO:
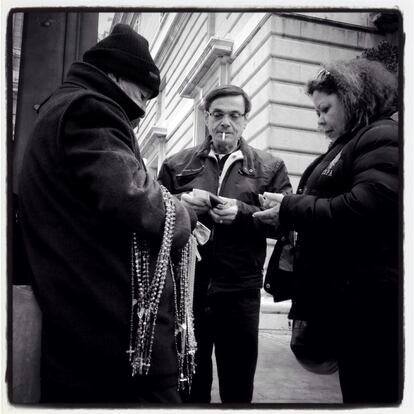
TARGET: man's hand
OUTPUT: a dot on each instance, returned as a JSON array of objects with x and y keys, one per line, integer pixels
[
  {"x": 225, "y": 213},
  {"x": 199, "y": 205}
]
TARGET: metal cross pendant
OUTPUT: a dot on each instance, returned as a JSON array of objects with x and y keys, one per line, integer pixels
[{"x": 130, "y": 351}]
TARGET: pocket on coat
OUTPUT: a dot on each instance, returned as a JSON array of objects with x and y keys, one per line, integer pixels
[{"x": 187, "y": 176}]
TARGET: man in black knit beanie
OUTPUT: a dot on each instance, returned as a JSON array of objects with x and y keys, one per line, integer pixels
[{"x": 84, "y": 192}]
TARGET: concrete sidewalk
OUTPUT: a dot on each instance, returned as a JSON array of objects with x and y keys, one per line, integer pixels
[{"x": 280, "y": 379}]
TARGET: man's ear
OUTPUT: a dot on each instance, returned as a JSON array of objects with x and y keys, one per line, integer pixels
[
  {"x": 245, "y": 121},
  {"x": 206, "y": 116}
]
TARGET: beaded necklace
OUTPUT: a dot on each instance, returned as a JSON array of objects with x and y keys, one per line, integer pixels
[
  {"x": 146, "y": 294},
  {"x": 184, "y": 332}
]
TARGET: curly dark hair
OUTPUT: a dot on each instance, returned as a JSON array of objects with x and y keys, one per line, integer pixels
[{"x": 366, "y": 88}]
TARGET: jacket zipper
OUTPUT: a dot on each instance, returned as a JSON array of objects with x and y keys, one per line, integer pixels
[{"x": 214, "y": 224}]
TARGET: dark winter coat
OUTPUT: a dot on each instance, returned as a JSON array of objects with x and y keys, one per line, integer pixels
[
  {"x": 83, "y": 191},
  {"x": 234, "y": 256},
  {"x": 346, "y": 214}
]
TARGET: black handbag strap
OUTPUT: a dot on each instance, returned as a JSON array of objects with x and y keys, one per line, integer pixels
[{"x": 278, "y": 282}]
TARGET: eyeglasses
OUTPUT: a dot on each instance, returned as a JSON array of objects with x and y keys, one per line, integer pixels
[
  {"x": 219, "y": 115},
  {"x": 323, "y": 74}
]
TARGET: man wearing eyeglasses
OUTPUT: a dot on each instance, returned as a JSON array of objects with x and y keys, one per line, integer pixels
[{"x": 229, "y": 275}]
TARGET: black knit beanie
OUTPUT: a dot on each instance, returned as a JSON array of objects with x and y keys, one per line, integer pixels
[{"x": 126, "y": 53}]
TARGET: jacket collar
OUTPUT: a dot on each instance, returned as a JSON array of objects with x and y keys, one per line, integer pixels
[
  {"x": 90, "y": 77},
  {"x": 248, "y": 165},
  {"x": 358, "y": 128}
]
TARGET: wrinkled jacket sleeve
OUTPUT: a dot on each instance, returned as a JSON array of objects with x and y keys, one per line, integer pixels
[
  {"x": 373, "y": 189},
  {"x": 97, "y": 148}
]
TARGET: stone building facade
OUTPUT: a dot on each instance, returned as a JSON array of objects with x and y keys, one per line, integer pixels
[{"x": 269, "y": 54}]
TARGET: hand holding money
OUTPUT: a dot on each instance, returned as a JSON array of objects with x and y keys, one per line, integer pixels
[
  {"x": 271, "y": 203},
  {"x": 269, "y": 200},
  {"x": 201, "y": 201},
  {"x": 225, "y": 212}
]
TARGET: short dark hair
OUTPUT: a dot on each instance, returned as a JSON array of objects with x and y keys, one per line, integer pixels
[
  {"x": 227, "y": 90},
  {"x": 365, "y": 88}
]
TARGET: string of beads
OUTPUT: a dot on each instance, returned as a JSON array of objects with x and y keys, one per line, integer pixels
[{"x": 146, "y": 293}]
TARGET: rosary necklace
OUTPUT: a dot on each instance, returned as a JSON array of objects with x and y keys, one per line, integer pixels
[
  {"x": 184, "y": 332},
  {"x": 146, "y": 293}
]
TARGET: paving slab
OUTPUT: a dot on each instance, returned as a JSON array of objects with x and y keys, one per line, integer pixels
[{"x": 280, "y": 379}]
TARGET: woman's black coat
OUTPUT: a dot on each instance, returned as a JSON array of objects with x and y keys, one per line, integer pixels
[{"x": 346, "y": 215}]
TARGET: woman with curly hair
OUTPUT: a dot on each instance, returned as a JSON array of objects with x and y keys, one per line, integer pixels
[{"x": 347, "y": 220}]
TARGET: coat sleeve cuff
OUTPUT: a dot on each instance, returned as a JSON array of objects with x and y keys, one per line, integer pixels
[{"x": 285, "y": 212}]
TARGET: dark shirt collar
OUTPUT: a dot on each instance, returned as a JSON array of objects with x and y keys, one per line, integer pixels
[
  {"x": 248, "y": 167},
  {"x": 218, "y": 155}
]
